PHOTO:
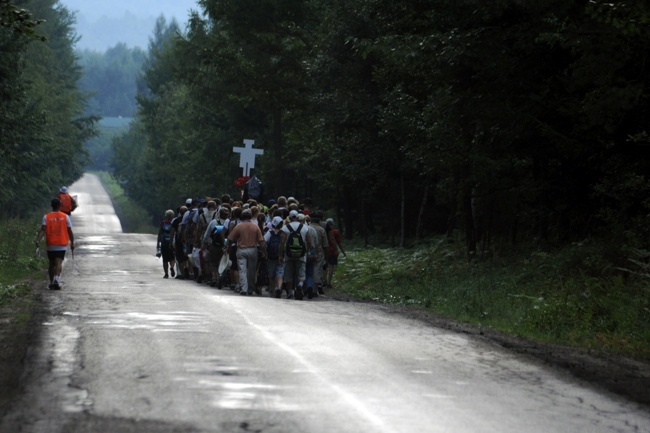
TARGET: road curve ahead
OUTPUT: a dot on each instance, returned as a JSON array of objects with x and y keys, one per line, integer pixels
[{"x": 123, "y": 350}]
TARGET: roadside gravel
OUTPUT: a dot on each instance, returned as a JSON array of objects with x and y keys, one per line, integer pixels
[{"x": 619, "y": 375}]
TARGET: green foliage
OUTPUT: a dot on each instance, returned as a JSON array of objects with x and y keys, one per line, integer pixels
[
  {"x": 42, "y": 127},
  {"x": 507, "y": 120},
  {"x": 111, "y": 79},
  {"x": 18, "y": 261},
  {"x": 573, "y": 295},
  {"x": 100, "y": 148}
]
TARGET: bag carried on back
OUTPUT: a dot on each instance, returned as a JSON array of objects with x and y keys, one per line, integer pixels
[
  {"x": 190, "y": 229},
  {"x": 295, "y": 244},
  {"x": 217, "y": 236},
  {"x": 273, "y": 246},
  {"x": 254, "y": 188}
]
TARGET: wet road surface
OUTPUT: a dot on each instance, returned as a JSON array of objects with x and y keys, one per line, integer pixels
[{"x": 123, "y": 350}]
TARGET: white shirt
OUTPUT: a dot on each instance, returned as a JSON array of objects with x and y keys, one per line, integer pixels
[{"x": 304, "y": 233}]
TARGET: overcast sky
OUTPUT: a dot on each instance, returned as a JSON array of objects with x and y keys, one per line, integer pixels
[{"x": 105, "y": 23}]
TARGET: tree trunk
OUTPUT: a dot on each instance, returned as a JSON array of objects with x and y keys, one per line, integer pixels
[
  {"x": 278, "y": 169},
  {"x": 453, "y": 208},
  {"x": 402, "y": 212},
  {"x": 470, "y": 228},
  {"x": 348, "y": 216},
  {"x": 423, "y": 205},
  {"x": 364, "y": 223}
]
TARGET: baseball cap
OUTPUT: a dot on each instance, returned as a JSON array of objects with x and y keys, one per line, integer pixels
[
  {"x": 276, "y": 222},
  {"x": 64, "y": 189},
  {"x": 329, "y": 221},
  {"x": 188, "y": 201},
  {"x": 301, "y": 217},
  {"x": 293, "y": 214}
]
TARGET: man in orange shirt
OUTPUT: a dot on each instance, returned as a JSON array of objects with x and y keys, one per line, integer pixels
[
  {"x": 68, "y": 203},
  {"x": 57, "y": 230}
]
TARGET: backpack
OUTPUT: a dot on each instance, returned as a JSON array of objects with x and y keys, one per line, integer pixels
[
  {"x": 66, "y": 203},
  {"x": 190, "y": 230},
  {"x": 217, "y": 235},
  {"x": 255, "y": 188},
  {"x": 203, "y": 223},
  {"x": 295, "y": 244},
  {"x": 273, "y": 246},
  {"x": 166, "y": 231},
  {"x": 227, "y": 228}
]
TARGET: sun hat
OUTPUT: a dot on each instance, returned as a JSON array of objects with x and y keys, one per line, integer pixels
[{"x": 64, "y": 189}]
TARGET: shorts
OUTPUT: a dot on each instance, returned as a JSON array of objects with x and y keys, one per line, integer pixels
[
  {"x": 214, "y": 255},
  {"x": 276, "y": 269},
  {"x": 333, "y": 259},
  {"x": 293, "y": 266},
  {"x": 180, "y": 251},
  {"x": 167, "y": 252},
  {"x": 56, "y": 255}
]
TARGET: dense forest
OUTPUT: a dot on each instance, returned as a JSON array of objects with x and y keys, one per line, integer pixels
[
  {"x": 504, "y": 120},
  {"x": 111, "y": 79},
  {"x": 43, "y": 124}
]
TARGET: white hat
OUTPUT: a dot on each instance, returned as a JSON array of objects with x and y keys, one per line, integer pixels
[
  {"x": 64, "y": 189},
  {"x": 276, "y": 222},
  {"x": 188, "y": 201},
  {"x": 329, "y": 221},
  {"x": 301, "y": 217},
  {"x": 293, "y": 214}
]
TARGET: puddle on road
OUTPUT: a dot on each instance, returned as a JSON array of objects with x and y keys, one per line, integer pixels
[
  {"x": 62, "y": 340},
  {"x": 178, "y": 321},
  {"x": 229, "y": 388},
  {"x": 97, "y": 246}
]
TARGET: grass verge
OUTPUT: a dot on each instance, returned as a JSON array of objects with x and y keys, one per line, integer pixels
[
  {"x": 18, "y": 261},
  {"x": 21, "y": 274},
  {"x": 573, "y": 296}
]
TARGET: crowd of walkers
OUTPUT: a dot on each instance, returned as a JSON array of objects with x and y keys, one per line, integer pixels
[{"x": 279, "y": 247}]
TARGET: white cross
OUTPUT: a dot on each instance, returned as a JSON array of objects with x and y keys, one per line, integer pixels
[{"x": 247, "y": 156}]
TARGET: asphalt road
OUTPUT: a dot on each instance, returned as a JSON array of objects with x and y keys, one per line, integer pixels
[{"x": 123, "y": 350}]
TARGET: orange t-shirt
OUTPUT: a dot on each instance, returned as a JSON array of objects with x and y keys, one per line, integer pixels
[{"x": 56, "y": 229}]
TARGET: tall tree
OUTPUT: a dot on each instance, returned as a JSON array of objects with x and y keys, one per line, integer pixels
[{"x": 45, "y": 105}]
